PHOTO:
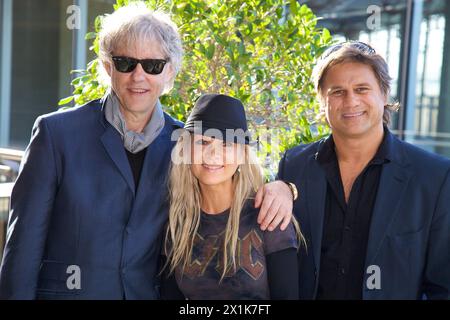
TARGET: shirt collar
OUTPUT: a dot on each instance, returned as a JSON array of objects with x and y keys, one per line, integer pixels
[{"x": 327, "y": 153}]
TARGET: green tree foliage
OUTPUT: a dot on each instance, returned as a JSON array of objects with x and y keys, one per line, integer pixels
[{"x": 260, "y": 51}]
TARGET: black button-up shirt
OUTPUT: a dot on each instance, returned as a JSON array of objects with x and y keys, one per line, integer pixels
[{"x": 346, "y": 225}]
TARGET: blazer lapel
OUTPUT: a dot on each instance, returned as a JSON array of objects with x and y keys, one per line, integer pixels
[
  {"x": 114, "y": 147},
  {"x": 156, "y": 162},
  {"x": 315, "y": 197},
  {"x": 392, "y": 187}
]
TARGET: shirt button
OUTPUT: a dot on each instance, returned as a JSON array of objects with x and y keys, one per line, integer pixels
[
  {"x": 347, "y": 228},
  {"x": 343, "y": 270}
]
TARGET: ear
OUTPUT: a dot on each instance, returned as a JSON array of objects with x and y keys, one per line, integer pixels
[
  {"x": 322, "y": 108},
  {"x": 386, "y": 98},
  {"x": 107, "y": 66},
  {"x": 321, "y": 100},
  {"x": 170, "y": 72},
  {"x": 169, "y": 77}
]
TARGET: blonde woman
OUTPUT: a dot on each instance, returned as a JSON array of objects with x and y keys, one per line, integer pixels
[{"x": 214, "y": 247}]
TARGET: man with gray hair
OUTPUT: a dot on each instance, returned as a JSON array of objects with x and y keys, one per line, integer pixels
[
  {"x": 375, "y": 211},
  {"x": 89, "y": 205}
]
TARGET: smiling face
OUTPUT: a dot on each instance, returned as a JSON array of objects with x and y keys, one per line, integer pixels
[
  {"x": 353, "y": 100},
  {"x": 137, "y": 90},
  {"x": 214, "y": 162}
]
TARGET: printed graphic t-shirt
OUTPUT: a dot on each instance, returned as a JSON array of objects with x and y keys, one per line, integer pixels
[{"x": 201, "y": 278}]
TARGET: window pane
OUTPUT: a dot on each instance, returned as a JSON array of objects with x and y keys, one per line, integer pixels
[
  {"x": 97, "y": 7},
  {"x": 40, "y": 62},
  {"x": 431, "y": 127},
  {"x": 1, "y": 33}
]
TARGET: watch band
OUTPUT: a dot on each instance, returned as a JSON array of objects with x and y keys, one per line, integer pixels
[{"x": 293, "y": 189}]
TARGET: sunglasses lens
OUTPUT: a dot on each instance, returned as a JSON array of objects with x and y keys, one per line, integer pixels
[
  {"x": 123, "y": 64},
  {"x": 361, "y": 46},
  {"x": 150, "y": 66},
  {"x": 153, "y": 66},
  {"x": 331, "y": 49}
]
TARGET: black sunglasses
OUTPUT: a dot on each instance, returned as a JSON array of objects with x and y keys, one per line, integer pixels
[
  {"x": 359, "y": 45},
  {"x": 150, "y": 66}
]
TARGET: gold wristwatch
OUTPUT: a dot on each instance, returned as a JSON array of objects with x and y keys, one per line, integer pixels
[{"x": 293, "y": 189}]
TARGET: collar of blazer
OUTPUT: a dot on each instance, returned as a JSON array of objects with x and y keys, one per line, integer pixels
[
  {"x": 171, "y": 123},
  {"x": 395, "y": 151}
]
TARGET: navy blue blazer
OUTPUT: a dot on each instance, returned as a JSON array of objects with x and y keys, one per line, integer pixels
[
  {"x": 77, "y": 227},
  {"x": 409, "y": 239}
]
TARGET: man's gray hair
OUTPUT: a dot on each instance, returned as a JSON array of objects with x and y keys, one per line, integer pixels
[{"x": 137, "y": 24}]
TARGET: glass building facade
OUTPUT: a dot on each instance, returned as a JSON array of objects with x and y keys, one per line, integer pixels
[
  {"x": 41, "y": 42},
  {"x": 414, "y": 37},
  {"x": 38, "y": 49}
]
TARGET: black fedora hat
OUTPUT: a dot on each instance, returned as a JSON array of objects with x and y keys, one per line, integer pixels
[{"x": 219, "y": 116}]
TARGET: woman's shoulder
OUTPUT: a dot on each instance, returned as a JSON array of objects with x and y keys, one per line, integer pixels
[
  {"x": 273, "y": 241},
  {"x": 249, "y": 208},
  {"x": 278, "y": 239}
]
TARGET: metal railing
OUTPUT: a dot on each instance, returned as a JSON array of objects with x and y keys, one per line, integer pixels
[{"x": 426, "y": 113}]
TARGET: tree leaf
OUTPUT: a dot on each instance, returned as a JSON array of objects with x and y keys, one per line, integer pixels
[{"x": 65, "y": 101}]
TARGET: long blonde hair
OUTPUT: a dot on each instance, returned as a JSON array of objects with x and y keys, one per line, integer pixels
[{"x": 185, "y": 207}]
